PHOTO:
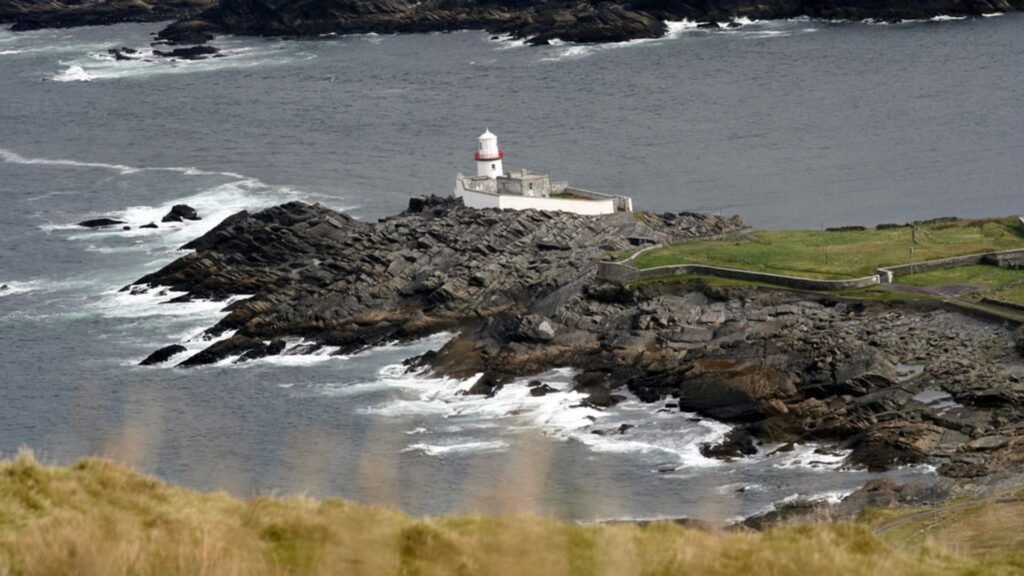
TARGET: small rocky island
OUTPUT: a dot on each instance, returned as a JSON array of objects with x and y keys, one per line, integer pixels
[{"x": 894, "y": 382}]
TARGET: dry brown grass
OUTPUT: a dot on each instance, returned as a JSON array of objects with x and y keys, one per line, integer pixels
[{"x": 99, "y": 518}]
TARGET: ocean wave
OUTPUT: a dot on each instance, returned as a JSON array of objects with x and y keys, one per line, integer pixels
[
  {"x": 631, "y": 427},
  {"x": 807, "y": 456},
  {"x": 234, "y": 54},
  {"x": 73, "y": 73},
  {"x": 458, "y": 448},
  {"x": 743, "y": 27},
  {"x": 155, "y": 302},
  {"x": 939, "y": 18},
  {"x": 13, "y": 157},
  {"x": 39, "y": 286}
]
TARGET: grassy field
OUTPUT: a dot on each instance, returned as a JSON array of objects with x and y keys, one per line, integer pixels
[
  {"x": 822, "y": 254},
  {"x": 98, "y": 518},
  {"x": 988, "y": 529},
  {"x": 991, "y": 281}
]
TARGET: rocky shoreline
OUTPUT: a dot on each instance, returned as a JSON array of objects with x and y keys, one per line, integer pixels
[
  {"x": 36, "y": 14},
  {"x": 539, "y": 22},
  {"x": 198, "y": 21},
  {"x": 894, "y": 383}
]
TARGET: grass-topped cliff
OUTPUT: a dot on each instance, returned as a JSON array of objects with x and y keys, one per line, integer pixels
[{"x": 100, "y": 518}]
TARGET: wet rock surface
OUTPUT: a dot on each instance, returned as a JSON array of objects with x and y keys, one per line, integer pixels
[
  {"x": 180, "y": 212},
  {"x": 35, "y": 14},
  {"x": 892, "y": 383},
  {"x": 100, "y": 222},
  {"x": 539, "y": 22}
]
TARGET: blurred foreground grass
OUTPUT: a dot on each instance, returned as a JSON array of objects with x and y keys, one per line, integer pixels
[{"x": 100, "y": 518}]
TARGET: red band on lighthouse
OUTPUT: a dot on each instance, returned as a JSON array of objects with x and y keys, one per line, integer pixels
[{"x": 483, "y": 157}]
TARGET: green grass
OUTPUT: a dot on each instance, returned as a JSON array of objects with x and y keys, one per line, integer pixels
[
  {"x": 833, "y": 255},
  {"x": 991, "y": 281},
  {"x": 99, "y": 518},
  {"x": 993, "y": 529}
]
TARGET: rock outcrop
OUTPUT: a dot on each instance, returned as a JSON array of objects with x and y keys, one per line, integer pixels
[
  {"x": 540, "y": 22},
  {"x": 520, "y": 290},
  {"x": 181, "y": 212},
  {"x": 34, "y": 14},
  {"x": 100, "y": 222}
]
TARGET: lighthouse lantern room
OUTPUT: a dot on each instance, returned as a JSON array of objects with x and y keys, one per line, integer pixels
[{"x": 488, "y": 156}]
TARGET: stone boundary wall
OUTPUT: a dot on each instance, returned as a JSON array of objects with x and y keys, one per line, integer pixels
[
  {"x": 888, "y": 273},
  {"x": 621, "y": 273},
  {"x": 1003, "y": 303}
]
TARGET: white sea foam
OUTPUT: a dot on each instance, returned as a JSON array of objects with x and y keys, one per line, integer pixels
[
  {"x": 214, "y": 204},
  {"x": 40, "y": 286},
  {"x": 13, "y": 157},
  {"x": 677, "y": 28},
  {"x": 457, "y": 448},
  {"x": 806, "y": 456},
  {"x": 561, "y": 414},
  {"x": 11, "y": 288},
  {"x": 156, "y": 302},
  {"x": 507, "y": 41},
  {"x": 101, "y": 65},
  {"x": 73, "y": 73}
]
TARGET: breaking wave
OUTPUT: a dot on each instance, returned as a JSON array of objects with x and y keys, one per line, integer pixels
[{"x": 234, "y": 54}]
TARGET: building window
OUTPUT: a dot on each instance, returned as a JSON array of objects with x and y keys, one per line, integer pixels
[{"x": 492, "y": 167}]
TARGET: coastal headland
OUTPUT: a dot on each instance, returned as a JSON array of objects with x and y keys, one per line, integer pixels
[{"x": 894, "y": 380}]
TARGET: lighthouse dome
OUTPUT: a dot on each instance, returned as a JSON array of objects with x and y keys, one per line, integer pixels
[{"x": 487, "y": 135}]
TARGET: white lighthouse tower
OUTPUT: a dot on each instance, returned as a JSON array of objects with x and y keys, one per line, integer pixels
[{"x": 488, "y": 156}]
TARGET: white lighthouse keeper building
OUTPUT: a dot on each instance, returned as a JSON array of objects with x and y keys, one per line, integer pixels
[
  {"x": 492, "y": 187},
  {"x": 488, "y": 157}
]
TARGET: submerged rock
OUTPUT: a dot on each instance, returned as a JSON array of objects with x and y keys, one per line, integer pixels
[
  {"x": 100, "y": 222},
  {"x": 190, "y": 53}
]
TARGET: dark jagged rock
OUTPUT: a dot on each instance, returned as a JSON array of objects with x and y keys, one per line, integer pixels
[
  {"x": 540, "y": 22},
  {"x": 542, "y": 390},
  {"x": 486, "y": 385},
  {"x": 782, "y": 367},
  {"x": 35, "y": 14},
  {"x": 190, "y": 53},
  {"x": 181, "y": 212},
  {"x": 123, "y": 53},
  {"x": 150, "y": 225},
  {"x": 100, "y": 222},
  {"x": 736, "y": 444},
  {"x": 163, "y": 355}
]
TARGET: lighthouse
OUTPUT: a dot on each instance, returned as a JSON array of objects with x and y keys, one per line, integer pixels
[
  {"x": 488, "y": 156},
  {"x": 492, "y": 187}
]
